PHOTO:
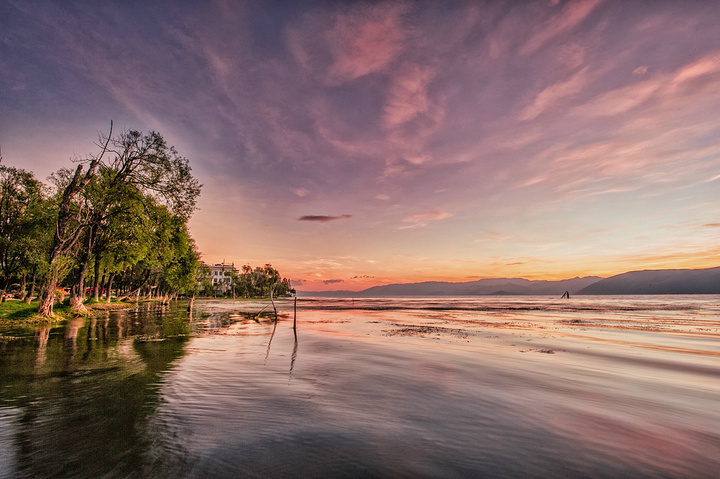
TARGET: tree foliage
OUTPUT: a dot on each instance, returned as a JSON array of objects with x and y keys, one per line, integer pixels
[
  {"x": 116, "y": 223},
  {"x": 261, "y": 281},
  {"x": 25, "y": 217}
]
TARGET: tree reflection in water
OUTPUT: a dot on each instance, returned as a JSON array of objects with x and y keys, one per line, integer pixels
[{"x": 74, "y": 405}]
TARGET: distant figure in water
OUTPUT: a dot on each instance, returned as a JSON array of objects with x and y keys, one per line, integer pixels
[{"x": 566, "y": 294}]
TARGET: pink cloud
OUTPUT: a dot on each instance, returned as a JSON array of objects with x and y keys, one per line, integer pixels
[
  {"x": 411, "y": 116},
  {"x": 705, "y": 66},
  {"x": 422, "y": 219},
  {"x": 622, "y": 99},
  {"x": 555, "y": 93},
  {"x": 571, "y": 16},
  {"x": 408, "y": 95},
  {"x": 365, "y": 41},
  {"x": 663, "y": 88}
]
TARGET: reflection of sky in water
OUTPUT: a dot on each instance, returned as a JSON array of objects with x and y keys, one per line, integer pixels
[
  {"x": 527, "y": 396},
  {"x": 498, "y": 387},
  {"x": 7, "y": 430}
]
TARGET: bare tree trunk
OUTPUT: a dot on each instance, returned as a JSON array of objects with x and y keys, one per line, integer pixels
[
  {"x": 77, "y": 293},
  {"x": 47, "y": 298},
  {"x": 4, "y": 289},
  {"x": 67, "y": 233},
  {"x": 109, "y": 287},
  {"x": 31, "y": 291},
  {"x": 136, "y": 292},
  {"x": 97, "y": 281},
  {"x": 76, "y": 301}
]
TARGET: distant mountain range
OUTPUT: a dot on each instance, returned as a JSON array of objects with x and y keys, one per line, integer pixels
[
  {"x": 659, "y": 281},
  {"x": 666, "y": 281},
  {"x": 492, "y": 286}
]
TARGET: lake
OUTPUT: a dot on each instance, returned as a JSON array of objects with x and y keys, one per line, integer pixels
[{"x": 424, "y": 387}]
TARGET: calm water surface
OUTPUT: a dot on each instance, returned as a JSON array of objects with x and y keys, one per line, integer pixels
[{"x": 430, "y": 387}]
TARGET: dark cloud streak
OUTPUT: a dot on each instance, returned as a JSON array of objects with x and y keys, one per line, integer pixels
[{"x": 322, "y": 218}]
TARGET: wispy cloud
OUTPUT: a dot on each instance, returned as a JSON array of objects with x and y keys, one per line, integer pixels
[
  {"x": 572, "y": 14},
  {"x": 421, "y": 220},
  {"x": 350, "y": 43},
  {"x": 365, "y": 41},
  {"x": 408, "y": 95},
  {"x": 554, "y": 93},
  {"x": 704, "y": 66},
  {"x": 537, "y": 120}
]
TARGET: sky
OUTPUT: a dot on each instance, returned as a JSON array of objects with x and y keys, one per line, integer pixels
[{"x": 352, "y": 144}]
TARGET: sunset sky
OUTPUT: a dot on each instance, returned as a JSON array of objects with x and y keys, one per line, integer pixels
[{"x": 356, "y": 144}]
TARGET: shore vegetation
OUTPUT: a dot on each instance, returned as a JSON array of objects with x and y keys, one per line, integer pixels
[{"x": 114, "y": 227}]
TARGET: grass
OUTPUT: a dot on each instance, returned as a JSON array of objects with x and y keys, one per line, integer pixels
[
  {"x": 101, "y": 305},
  {"x": 19, "y": 311},
  {"x": 14, "y": 310}
]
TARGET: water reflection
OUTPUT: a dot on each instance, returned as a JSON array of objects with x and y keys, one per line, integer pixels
[
  {"x": 295, "y": 336},
  {"x": 75, "y": 398},
  {"x": 378, "y": 389},
  {"x": 272, "y": 335},
  {"x": 295, "y": 350}
]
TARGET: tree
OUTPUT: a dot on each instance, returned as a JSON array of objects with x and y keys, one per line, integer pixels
[
  {"x": 259, "y": 282},
  {"x": 204, "y": 279},
  {"x": 179, "y": 274},
  {"x": 69, "y": 226},
  {"x": 121, "y": 243},
  {"x": 23, "y": 224},
  {"x": 143, "y": 172}
]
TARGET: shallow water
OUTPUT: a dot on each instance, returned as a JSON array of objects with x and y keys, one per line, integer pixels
[{"x": 421, "y": 387}]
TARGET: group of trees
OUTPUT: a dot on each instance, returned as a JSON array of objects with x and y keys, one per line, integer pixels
[
  {"x": 256, "y": 283},
  {"x": 26, "y": 221},
  {"x": 118, "y": 220}
]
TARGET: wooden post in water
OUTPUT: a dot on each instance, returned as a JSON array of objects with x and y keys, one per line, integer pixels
[
  {"x": 295, "y": 345},
  {"x": 273, "y": 302}
]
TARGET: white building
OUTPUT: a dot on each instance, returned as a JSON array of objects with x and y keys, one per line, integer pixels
[{"x": 220, "y": 275}]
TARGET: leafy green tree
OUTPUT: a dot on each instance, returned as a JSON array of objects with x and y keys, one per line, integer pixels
[
  {"x": 259, "y": 282},
  {"x": 204, "y": 279},
  {"x": 123, "y": 242},
  {"x": 243, "y": 284},
  {"x": 179, "y": 272},
  {"x": 143, "y": 172},
  {"x": 23, "y": 225}
]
